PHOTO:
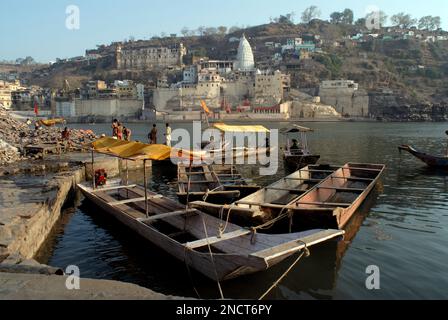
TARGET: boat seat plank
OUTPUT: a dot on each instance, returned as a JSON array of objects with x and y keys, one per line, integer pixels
[
  {"x": 299, "y": 244},
  {"x": 124, "y": 208},
  {"x": 354, "y": 179},
  {"x": 114, "y": 188},
  {"x": 142, "y": 199},
  {"x": 214, "y": 240},
  {"x": 330, "y": 204},
  {"x": 305, "y": 180},
  {"x": 362, "y": 169},
  {"x": 357, "y": 190},
  {"x": 166, "y": 215},
  {"x": 295, "y": 191}
]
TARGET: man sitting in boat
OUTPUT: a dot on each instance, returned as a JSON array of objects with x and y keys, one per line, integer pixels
[{"x": 295, "y": 148}]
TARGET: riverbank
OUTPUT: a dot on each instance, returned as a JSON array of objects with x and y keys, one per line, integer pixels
[
  {"x": 19, "y": 286},
  {"x": 32, "y": 196}
]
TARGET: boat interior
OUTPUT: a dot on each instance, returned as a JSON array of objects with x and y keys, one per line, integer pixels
[{"x": 343, "y": 187}]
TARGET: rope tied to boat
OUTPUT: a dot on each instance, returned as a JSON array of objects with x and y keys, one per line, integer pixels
[
  {"x": 253, "y": 239},
  {"x": 222, "y": 228},
  {"x": 207, "y": 193},
  {"x": 304, "y": 253}
]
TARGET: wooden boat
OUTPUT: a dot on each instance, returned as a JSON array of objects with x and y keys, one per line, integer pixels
[
  {"x": 430, "y": 160},
  {"x": 225, "y": 150},
  {"x": 196, "y": 238},
  {"x": 200, "y": 182},
  {"x": 266, "y": 204},
  {"x": 311, "y": 202},
  {"x": 232, "y": 180},
  {"x": 297, "y": 156},
  {"x": 334, "y": 201}
]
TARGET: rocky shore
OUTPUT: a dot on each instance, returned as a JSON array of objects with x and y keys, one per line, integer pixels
[
  {"x": 15, "y": 135},
  {"x": 32, "y": 194},
  {"x": 396, "y": 108}
]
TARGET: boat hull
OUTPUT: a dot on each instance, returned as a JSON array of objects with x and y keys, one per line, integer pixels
[
  {"x": 296, "y": 162},
  {"x": 430, "y": 160},
  {"x": 234, "y": 253}
]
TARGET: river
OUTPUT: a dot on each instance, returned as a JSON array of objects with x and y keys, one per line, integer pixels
[{"x": 402, "y": 228}]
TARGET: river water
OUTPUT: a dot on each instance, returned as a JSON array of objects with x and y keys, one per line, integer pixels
[{"x": 402, "y": 228}]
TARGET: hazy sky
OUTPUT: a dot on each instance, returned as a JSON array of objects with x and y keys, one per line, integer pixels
[{"x": 37, "y": 27}]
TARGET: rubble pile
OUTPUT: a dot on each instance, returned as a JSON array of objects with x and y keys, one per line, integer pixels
[
  {"x": 8, "y": 153},
  {"x": 15, "y": 135}
]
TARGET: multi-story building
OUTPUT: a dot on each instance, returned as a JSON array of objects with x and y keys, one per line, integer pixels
[
  {"x": 149, "y": 57},
  {"x": 6, "y": 92},
  {"x": 234, "y": 82}
]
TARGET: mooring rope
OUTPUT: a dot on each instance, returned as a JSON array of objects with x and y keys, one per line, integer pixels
[
  {"x": 189, "y": 273},
  {"x": 212, "y": 259},
  {"x": 305, "y": 252}
]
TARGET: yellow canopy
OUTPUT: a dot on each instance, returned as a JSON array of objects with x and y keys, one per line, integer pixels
[
  {"x": 132, "y": 150},
  {"x": 240, "y": 129},
  {"x": 139, "y": 151}
]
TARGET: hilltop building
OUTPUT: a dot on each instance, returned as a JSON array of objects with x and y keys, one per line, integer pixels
[
  {"x": 346, "y": 97},
  {"x": 226, "y": 86},
  {"x": 149, "y": 57}
]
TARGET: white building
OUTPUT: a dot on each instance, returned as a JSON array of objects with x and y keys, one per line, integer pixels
[{"x": 245, "y": 58}]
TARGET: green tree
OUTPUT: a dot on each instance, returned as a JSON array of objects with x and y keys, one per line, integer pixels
[
  {"x": 310, "y": 13},
  {"x": 402, "y": 20},
  {"x": 222, "y": 30},
  {"x": 347, "y": 16},
  {"x": 429, "y": 23},
  {"x": 185, "y": 31},
  {"x": 234, "y": 29},
  {"x": 336, "y": 17}
]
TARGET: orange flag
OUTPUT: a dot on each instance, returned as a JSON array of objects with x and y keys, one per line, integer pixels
[{"x": 204, "y": 106}]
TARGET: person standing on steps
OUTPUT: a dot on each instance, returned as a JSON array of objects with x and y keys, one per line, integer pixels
[
  {"x": 152, "y": 136},
  {"x": 119, "y": 131},
  {"x": 115, "y": 129},
  {"x": 168, "y": 135}
]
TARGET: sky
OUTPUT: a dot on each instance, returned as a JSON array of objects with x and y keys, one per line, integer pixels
[{"x": 37, "y": 28}]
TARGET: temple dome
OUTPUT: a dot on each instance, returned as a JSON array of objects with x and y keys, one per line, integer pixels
[{"x": 245, "y": 57}]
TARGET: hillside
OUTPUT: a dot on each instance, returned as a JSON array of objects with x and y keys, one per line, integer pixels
[{"x": 415, "y": 70}]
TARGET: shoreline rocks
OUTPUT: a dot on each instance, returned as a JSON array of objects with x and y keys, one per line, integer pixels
[{"x": 15, "y": 135}]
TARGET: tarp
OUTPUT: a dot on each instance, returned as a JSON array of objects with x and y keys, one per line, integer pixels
[
  {"x": 51, "y": 122},
  {"x": 132, "y": 150},
  {"x": 140, "y": 151},
  {"x": 240, "y": 129}
]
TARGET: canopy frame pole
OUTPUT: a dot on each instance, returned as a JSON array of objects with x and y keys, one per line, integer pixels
[
  {"x": 127, "y": 178},
  {"x": 446, "y": 153},
  {"x": 189, "y": 184},
  {"x": 93, "y": 170},
  {"x": 146, "y": 189}
]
